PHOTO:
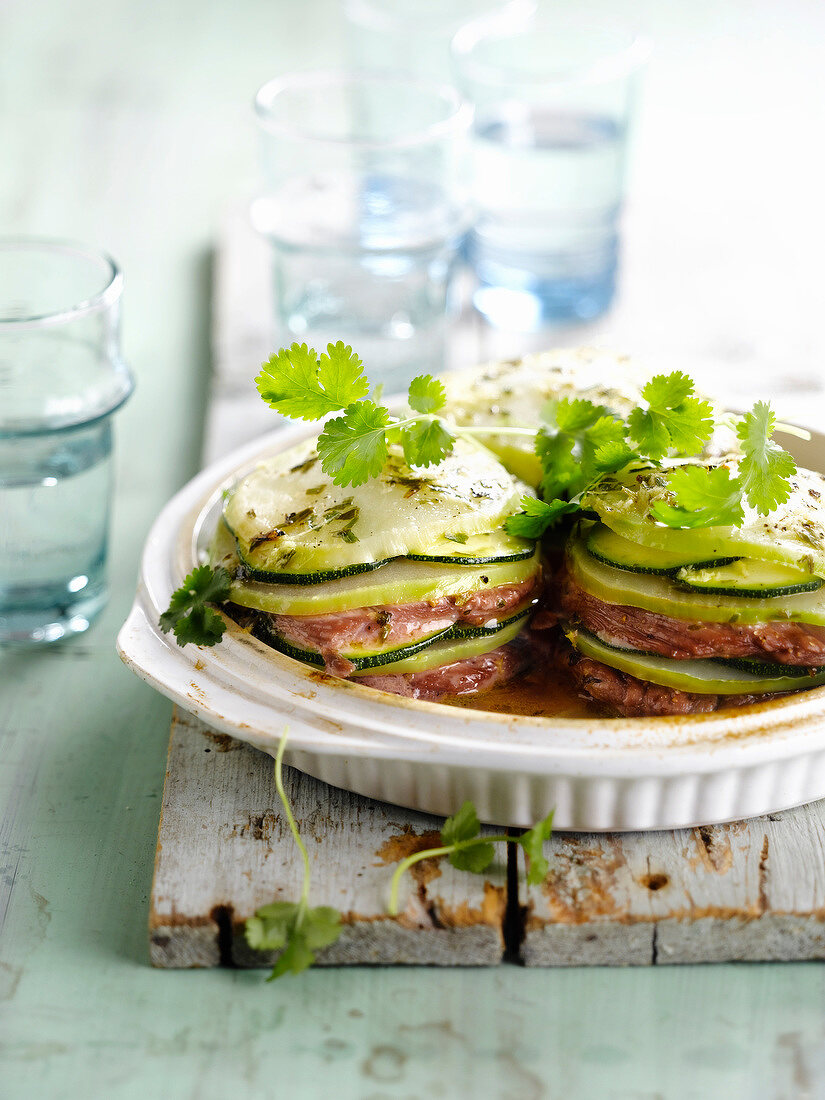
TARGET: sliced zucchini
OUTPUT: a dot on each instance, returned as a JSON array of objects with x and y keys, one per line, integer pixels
[
  {"x": 399, "y": 582},
  {"x": 767, "y": 668},
  {"x": 362, "y": 659},
  {"x": 615, "y": 550},
  {"x": 290, "y": 519},
  {"x": 451, "y": 649},
  {"x": 747, "y": 578},
  {"x": 493, "y": 546},
  {"x": 794, "y": 533},
  {"x": 466, "y": 630},
  {"x": 659, "y": 594},
  {"x": 704, "y": 677}
]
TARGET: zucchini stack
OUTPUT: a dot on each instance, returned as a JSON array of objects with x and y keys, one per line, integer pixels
[
  {"x": 665, "y": 621},
  {"x": 399, "y": 579}
]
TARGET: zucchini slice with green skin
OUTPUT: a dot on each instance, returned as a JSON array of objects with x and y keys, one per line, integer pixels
[
  {"x": 399, "y": 582},
  {"x": 794, "y": 533},
  {"x": 362, "y": 659},
  {"x": 290, "y": 519},
  {"x": 660, "y": 594},
  {"x": 702, "y": 677},
  {"x": 492, "y": 546},
  {"x": 466, "y": 630},
  {"x": 747, "y": 578},
  {"x": 767, "y": 668},
  {"x": 613, "y": 549},
  {"x": 450, "y": 649}
]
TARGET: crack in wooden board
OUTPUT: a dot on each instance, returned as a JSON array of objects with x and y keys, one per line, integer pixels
[
  {"x": 224, "y": 849},
  {"x": 748, "y": 891}
]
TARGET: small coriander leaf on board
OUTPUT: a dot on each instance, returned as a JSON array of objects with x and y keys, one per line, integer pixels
[
  {"x": 463, "y": 825},
  {"x": 426, "y": 394},
  {"x": 533, "y": 844},
  {"x": 353, "y": 447},
  {"x": 298, "y": 384},
  {"x": 702, "y": 497},
  {"x": 188, "y": 614},
  {"x": 464, "y": 828},
  {"x": 765, "y": 467}
]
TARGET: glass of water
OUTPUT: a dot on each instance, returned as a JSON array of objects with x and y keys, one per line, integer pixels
[
  {"x": 365, "y": 205},
  {"x": 553, "y": 102},
  {"x": 413, "y": 36},
  {"x": 61, "y": 378}
]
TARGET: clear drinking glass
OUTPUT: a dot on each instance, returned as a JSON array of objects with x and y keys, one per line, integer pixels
[
  {"x": 553, "y": 102},
  {"x": 61, "y": 378},
  {"x": 413, "y": 36},
  {"x": 365, "y": 205}
]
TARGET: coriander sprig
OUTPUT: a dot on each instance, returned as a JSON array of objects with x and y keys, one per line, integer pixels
[
  {"x": 468, "y": 850},
  {"x": 298, "y": 931},
  {"x": 580, "y": 442},
  {"x": 292, "y": 927},
  {"x": 188, "y": 614},
  {"x": 353, "y": 447}
]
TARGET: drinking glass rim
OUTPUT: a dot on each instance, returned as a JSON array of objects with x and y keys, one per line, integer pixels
[
  {"x": 378, "y": 18},
  {"x": 611, "y": 65},
  {"x": 95, "y": 303},
  {"x": 460, "y": 116}
]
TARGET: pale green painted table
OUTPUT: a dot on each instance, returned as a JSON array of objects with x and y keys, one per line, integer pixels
[{"x": 127, "y": 125}]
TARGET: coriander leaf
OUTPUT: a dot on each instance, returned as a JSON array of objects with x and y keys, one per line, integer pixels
[
  {"x": 294, "y": 958},
  {"x": 765, "y": 467},
  {"x": 572, "y": 414},
  {"x": 341, "y": 375},
  {"x": 297, "y": 384},
  {"x": 426, "y": 442},
  {"x": 321, "y": 926},
  {"x": 426, "y": 394},
  {"x": 187, "y": 614},
  {"x": 202, "y": 626},
  {"x": 555, "y": 453},
  {"x": 474, "y": 858},
  {"x": 537, "y": 516},
  {"x": 566, "y": 446},
  {"x": 702, "y": 498},
  {"x": 690, "y": 425},
  {"x": 667, "y": 391},
  {"x": 463, "y": 825},
  {"x": 353, "y": 447},
  {"x": 532, "y": 842},
  {"x": 612, "y": 456},
  {"x": 648, "y": 433},
  {"x": 673, "y": 421}
]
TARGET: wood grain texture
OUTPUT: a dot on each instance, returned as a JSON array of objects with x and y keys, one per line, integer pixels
[
  {"x": 224, "y": 849},
  {"x": 751, "y": 890}
]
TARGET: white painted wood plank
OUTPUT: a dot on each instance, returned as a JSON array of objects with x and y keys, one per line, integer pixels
[
  {"x": 224, "y": 849},
  {"x": 745, "y": 891}
]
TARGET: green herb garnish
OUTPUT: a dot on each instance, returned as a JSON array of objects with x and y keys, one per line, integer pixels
[
  {"x": 468, "y": 850},
  {"x": 580, "y": 443},
  {"x": 292, "y": 926},
  {"x": 298, "y": 931},
  {"x": 189, "y": 615}
]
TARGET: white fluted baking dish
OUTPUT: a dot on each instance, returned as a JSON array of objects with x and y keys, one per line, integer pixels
[{"x": 597, "y": 773}]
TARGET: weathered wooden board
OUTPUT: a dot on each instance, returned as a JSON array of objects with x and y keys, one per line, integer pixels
[
  {"x": 751, "y": 890},
  {"x": 224, "y": 849}
]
